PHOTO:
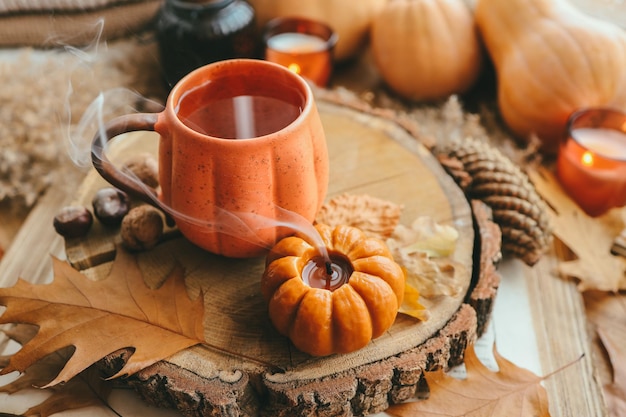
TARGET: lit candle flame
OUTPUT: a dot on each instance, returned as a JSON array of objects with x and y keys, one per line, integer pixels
[
  {"x": 294, "y": 68},
  {"x": 587, "y": 159}
]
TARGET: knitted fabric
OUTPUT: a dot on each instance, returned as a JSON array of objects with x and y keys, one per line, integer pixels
[{"x": 58, "y": 23}]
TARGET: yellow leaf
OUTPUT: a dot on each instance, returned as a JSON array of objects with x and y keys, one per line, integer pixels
[
  {"x": 423, "y": 250},
  {"x": 435, "y": 239},
  {"x": 99, "y": 318},
  {"x": 411, "y": 305}
]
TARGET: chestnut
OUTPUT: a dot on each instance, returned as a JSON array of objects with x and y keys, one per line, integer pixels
[
  {"x": 73, "y": 221},
  {"x": 110, "y": 205}
]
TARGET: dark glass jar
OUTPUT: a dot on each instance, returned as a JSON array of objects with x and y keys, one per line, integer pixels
[{"x": 191, "y": 34}]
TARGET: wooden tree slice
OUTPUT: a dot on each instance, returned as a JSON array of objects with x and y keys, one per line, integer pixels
[{"x": 246, "y": 367}]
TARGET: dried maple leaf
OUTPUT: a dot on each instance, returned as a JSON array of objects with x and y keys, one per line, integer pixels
[
  {"x": 589, "y": 238},
  {"x": 99, "y": 318},
  {"x": 512, "y": 391}
]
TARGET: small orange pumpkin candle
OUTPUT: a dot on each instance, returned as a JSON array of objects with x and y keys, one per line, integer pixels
[
  {"x": 302, "y": 45},
  {"x": 591, "y": 164},
  {"x": 332, "y": 306}
]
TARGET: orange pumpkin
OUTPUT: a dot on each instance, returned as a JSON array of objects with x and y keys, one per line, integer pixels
[{"x": 349, "y": 309}]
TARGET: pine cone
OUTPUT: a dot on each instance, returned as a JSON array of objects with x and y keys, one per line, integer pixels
[{"x": 484, "y": 173}]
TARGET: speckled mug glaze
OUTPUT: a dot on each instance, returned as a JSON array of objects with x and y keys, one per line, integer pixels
[{"x": 202, "y": 177}]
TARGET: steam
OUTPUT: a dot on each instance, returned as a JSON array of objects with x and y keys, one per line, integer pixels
[
  {"x": 88, "y": 53},
  {"x": 116, "y": 101},
  {"x": 83, "y": 57}
]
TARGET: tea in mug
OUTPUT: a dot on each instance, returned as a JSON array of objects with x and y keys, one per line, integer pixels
[{"x": 238, "y": 117}]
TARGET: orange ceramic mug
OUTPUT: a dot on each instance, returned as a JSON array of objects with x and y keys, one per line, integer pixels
[{"x": 242, "y": 152}]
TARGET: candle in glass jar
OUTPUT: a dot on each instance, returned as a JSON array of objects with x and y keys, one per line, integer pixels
[
  {"x": 297, "y": 43},
  {"x": 304, "y": 46},
  {"x": 591, "y": 164}
]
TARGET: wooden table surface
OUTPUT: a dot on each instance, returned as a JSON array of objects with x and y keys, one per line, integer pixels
[{"x": 557, "y": 307}]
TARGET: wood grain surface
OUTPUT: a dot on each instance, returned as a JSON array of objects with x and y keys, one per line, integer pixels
[
  {"x": 369, "y": 155},
  {"x": 559, "y": 319}
]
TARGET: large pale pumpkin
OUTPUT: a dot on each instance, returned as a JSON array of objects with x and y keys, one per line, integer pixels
[
  {"x": 426, "y": 49},
  {"x": 350, "y": 20},
  {"x": 551, "y": 59}
]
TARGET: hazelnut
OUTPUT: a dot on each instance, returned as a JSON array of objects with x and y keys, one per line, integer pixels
[
  {"x": 142, "y": 228},
  {"x": 145, "y": 167},
  {"x": 110, "y": 205},
  {"x": 73, "y": 221}
]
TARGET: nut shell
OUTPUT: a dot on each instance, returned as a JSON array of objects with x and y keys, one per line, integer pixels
[
  {"x": 145, "y": 167},
  {"x": 142, "y": 228},
  {"x": 322, "y": 322}
]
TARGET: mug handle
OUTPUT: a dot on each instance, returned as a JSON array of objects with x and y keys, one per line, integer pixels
[{"x": 115, "y": 127}]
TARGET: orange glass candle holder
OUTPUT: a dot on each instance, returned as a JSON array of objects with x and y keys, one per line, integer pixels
[
  {"x": 591, "y": 164},
  {"x": 304, "y": 46}
]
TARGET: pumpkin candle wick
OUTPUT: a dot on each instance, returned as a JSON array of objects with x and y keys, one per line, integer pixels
[
  {"x": 329, "y": 269},
  {"x": 328, "y": 274}
]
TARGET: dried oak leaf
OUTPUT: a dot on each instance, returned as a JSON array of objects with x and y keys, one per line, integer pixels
[
  {"x": 512, "y": 391},
  {"x": 607, "y": 313},
  {"x": 84, "y": 390},
  {"x": 101, "y": 317},
  {"x": 589, "y": 238},
  {"x": 615, "y": 392}
]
